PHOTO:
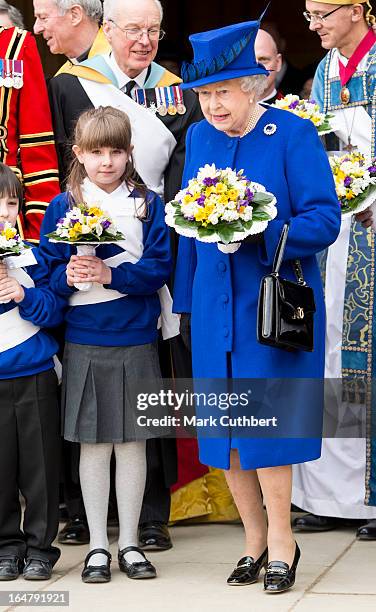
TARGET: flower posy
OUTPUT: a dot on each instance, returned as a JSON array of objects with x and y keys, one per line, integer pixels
[
  {"x": 220, "y": 206},
  {"x": 84, "y": 223},
  {"x": 10, "y": 241},
  {"x": 355, "y": 180},
  {"x": 306, "y": 109}
]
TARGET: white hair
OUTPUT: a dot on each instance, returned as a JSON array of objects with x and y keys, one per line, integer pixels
[
  {"x": 111, "y": 8},
  {"x": 92, "y": 8},
  {"x": 13, "y": 13},
  {"x": 255, "y": 84}
]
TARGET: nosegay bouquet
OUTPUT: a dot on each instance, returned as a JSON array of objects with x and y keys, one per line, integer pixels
[
  {"x": 10, "y": 241},
  {"x": 306, "y": 109},
  {"x": 355, "y": 181},
  {"x": 221, "y": 206},
  {"x": 84, "y": 223},
  {"x": 85, "y": 227}
]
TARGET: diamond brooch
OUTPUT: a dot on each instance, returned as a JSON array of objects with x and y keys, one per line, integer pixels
[{"x": 270, "y": 129}]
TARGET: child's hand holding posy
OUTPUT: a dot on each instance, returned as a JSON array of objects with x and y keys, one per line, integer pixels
[
  {"x": 10, "y": 289},
  {"x": 97, "y": 271},
  {"x": 76, "y": 271}
]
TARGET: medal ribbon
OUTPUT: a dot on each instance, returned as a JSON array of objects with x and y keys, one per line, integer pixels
[
  {"x": 169, "y": 96},
  {"x": 177, "y": 94},
  {"x": 365, "y": 45}
]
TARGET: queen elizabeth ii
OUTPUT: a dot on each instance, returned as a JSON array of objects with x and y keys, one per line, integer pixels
[{"x": 220, "y": 290}]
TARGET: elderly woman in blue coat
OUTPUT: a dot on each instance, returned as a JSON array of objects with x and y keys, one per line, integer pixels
[{"x": 283, "y": 153}]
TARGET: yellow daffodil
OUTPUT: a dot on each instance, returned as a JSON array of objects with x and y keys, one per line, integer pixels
[
  {"x": 220, "y": 188},
  {"x": 95, "y": 211},
  {"x": 233, "y": 194},
  {"x": 9, "y": 233}
]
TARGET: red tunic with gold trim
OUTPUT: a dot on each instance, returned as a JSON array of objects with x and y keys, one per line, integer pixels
[{"x": 26, "y": 137}]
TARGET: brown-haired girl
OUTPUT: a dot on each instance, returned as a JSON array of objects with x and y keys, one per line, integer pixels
[{"x": 111, "y": 330}]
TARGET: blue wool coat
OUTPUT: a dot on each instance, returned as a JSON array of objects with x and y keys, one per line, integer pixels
[{"x": 221, "y": 291}]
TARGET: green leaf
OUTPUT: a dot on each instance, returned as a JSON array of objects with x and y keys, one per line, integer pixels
[
  {"x": 226, "y": 234},
  {"x": 261, "y": 198},
  {"x": 205, "y": 232},
  {"x": 260, "y": 215},
  {"x": 182, "y": 222}
]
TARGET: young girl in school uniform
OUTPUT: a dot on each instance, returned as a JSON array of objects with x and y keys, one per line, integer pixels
[
  {"x": 111, "y": 331},
  {"x": 29, "y": 416}
]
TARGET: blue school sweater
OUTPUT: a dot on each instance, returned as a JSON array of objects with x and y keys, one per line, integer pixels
[
  {"x": 132, "y": 319},
  {"x": 43, "y": 308}
]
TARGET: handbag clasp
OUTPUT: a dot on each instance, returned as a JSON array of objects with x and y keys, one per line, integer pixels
[{"x": 299, "y": 313}]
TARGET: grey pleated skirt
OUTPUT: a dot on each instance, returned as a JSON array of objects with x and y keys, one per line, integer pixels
[{"x": 100, "y": 386}]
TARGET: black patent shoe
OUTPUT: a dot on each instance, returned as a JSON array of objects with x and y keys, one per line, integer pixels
[
  {"x": 367, "y": 531},
  {"x": 35, "y": 569},
  {"x": 10, "y": 568},
  {"x": 76, "y": 531},
  {"x": 97, "y": 573},
  {"x": 279, "y": 576},
  {"x": 248, "y": 570},
  {"x": 154, "y": 535},
  {"x": 314, "y": 522},
  {"x": 137, "y": 570}
]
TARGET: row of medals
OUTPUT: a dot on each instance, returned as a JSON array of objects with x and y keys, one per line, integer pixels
[
  {"x": 162, "y": 109},
  {"x": 171, "y": 109},
  {"x": 8, "y": 81}
]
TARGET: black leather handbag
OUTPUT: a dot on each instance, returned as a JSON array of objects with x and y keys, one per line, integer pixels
[{"x": 285, "y": 308}]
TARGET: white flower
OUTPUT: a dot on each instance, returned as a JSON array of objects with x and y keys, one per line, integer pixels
[
  {"x": 230, "y": 215},
  {"x": 213, "y": 219}
]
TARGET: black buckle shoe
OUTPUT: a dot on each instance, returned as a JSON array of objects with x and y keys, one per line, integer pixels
[
  {"x": 76, "y": 531},
  {"x": 35, "y": 569},
  {"x": 367, "y": 531},
  {"x": 97, "y": 573},
  {"x": 154, "y": 535},
  {"x": 248, "y": 570},
  {"x": 279, "y": 576},
  {"x": 137, "y": 570},
  {"x": 10, "y": 568}
]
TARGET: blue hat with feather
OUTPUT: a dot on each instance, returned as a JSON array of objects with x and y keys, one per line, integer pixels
[{"x": 222, "y": 54}]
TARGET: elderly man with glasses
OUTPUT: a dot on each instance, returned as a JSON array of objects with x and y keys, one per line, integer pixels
[
  {"x": 127, "y": 77},
  {"x": 341, "y": 485}
]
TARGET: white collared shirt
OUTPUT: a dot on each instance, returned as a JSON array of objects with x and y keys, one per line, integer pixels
[{"x": 121, "y": 77}]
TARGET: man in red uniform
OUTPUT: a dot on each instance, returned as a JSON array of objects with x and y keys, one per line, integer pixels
[{"x": 26, "y": 137}]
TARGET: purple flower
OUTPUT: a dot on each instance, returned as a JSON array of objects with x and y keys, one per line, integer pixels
[
  {"x": 60, "y": 221},
  {"x": 209, "y": 182},
  {"x": 372, "y": 170},
  {"x": 2, "y": 225},
  {"x": 73, "y": 221},
  {"x": 201, "y": 200},
  {"x": 106, "y": 224},
  {"x": 294, "y": 104},
  {"x": 347, "y": 182},
  {"x": 249, "y": 194}
]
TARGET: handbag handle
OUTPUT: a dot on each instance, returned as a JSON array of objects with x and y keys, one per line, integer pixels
[{"x": 278, "y": 257}]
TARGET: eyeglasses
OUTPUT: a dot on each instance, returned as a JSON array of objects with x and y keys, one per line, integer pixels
[
  {"x": 137, "y": 33},
  {"x": 320, "y": 18}
]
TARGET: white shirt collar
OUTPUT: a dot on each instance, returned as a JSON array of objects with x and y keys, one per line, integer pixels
[
  {"x": 93, "y": 194},
  {"x": 121, "y": 77}
]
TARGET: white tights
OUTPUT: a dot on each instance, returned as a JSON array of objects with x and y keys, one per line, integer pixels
[{"x": 130, "y": 486}]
